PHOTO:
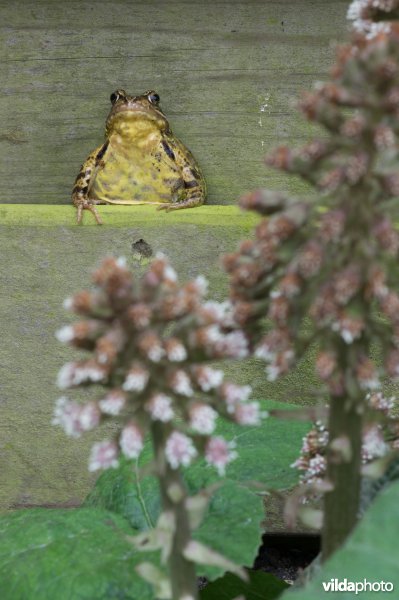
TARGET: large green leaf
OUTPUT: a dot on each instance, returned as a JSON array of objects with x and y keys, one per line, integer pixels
[
  {"x": 371, "y": 553},
  {"x": 232, "y": 524},
  {"x": 261, "y": 586},
  {"x": 79, "y": 554}
]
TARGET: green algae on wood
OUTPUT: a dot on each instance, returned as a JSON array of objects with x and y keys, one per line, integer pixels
[{"x": 126, "y": 216}]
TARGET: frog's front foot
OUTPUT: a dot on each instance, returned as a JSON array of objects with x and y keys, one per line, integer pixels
[
  {"x": 187, "y": 203},
  {"x": 86, "y": 204}
]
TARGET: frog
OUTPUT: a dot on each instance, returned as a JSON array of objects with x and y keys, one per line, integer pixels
[{"x": 140, "y": 162}]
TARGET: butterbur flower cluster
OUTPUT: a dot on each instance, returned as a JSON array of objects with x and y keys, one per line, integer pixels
[
  {"x": 336, "y": 266},
  {"x": 379, "y": 437},
  {"x": 323, "y": 272},
  {"x": 149, "y": 342}
]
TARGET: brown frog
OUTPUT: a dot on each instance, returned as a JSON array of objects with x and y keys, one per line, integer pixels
[{"x": 140, "y": 162}]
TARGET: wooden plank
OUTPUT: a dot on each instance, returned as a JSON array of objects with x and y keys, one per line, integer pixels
[
  {"x": 227, "y": 73},
  {"x": 41, "y": 266}
]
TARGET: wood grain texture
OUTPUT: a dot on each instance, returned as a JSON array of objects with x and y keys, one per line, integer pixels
[{"x": 227, "y": 73}]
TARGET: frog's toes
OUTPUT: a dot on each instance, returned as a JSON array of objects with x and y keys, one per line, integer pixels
[
  {"x": 82, "y": 205},
  {"x": 166, "y": 207}
]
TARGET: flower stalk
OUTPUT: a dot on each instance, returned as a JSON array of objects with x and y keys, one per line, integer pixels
[{"x": 182, "y": 573}]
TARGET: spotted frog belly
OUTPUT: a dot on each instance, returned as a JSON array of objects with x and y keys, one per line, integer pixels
[{"x": 136, "y": 178}]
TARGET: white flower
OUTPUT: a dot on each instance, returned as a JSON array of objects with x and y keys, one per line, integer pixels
[
  {"x": 249, "y": 414},
  {"x": 219, "y": 311},
  {"x": 131, "y": 440},
  {"x": 272, "y": 372},
  {"x": 374, "y": 445},
  {"x": 201, "y": 284},
  {"x": 65, "y": 376},
  {"x": 203, "y": 418},
  {"x": 75, "y": 418},
  {"x": 175, "y": 351},
  {"x": 317, "y": 466},
  {"x": 233, "y": 345},
  {"x": 347, "y": 336},
  {"x": 89, "y": 416},
  {"x": 73, "y": 374},
  {"x": 213, "y": 334},
  {"x": 65, "y": 334},
  {"x": 181, "y": 384},
  {"x": 264, "y": 352},
  {"x": 234, "y": 394},
  {"x": 378, "y": 401},
  {"x": 219, "y": 453},
  {"x": 208, "y": 379},
  {"x": 136, "y": 380},
  {"x": 355, "y": 9},
  {"x": 121, "y": 262},
  {"x": 103, "y": 456},
  {"x": 160, "y": 408},
  {"x": 179, "y": 450},
  {"x": 372, "y": 383},
  {"x": 113, "y": 403},
  {"x": 169, "y": 273},
  {"x": 155, "y": 353},
  {"x": 66, "y": 414},
  {"x": 68, "y": 303}
]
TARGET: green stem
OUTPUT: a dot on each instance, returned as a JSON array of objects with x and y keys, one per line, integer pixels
[
  {"x": 181, "y": 571},
  {"x": 341, "y": 505}
]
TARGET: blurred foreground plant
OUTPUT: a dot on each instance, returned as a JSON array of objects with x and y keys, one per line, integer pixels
[
  {"x": 333, "y": 265},
  {"x": 150, "y": 340},
  {"x": 380, "y": 436}
]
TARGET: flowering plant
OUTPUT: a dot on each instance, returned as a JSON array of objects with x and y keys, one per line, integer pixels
[
  {"x": 333, "y": 265},
  {"x": 151, "y": 340},
  {"x": 379, "y": 438}
]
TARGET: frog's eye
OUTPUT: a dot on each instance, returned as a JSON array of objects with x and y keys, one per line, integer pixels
[
  {"x": 116, "y": 95},
  {"x": 153, "y": 97}
]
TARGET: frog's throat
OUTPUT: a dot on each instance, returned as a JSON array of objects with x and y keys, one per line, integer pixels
[{"x": 135, "y": 120}]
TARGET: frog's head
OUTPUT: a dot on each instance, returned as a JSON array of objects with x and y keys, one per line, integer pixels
[{"x": 135, "y": 114}]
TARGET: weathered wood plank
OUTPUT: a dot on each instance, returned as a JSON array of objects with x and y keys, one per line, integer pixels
[
  {"x": 41, "y": 266},
  {"x": 227, "y": 73}
]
